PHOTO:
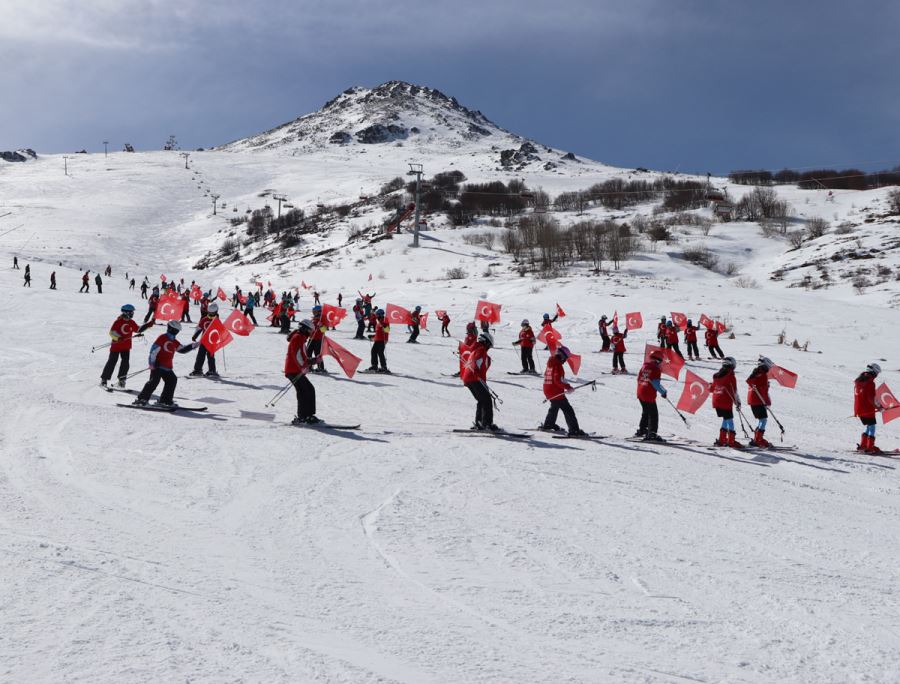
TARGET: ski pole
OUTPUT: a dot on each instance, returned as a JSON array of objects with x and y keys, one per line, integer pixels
[
  {"x": 680, "y": 414},
  {"x": 769, "y": 411},
  {"x": 590, "y": 383},
  {"x": 495, "y": 398},
  {"x": 224, "y": 363},
  {"x": 101, "y": 346},
  {"x": 142, "y": 370},
  {"x": 740, "y": 413},
  {"x": 284, "y": 390}
]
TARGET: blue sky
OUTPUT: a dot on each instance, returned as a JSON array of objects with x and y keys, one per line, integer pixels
[{"x": 675, "y": 85}]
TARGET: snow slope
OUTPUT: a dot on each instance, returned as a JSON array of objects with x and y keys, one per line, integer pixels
[{"x": 230, "y": 546}]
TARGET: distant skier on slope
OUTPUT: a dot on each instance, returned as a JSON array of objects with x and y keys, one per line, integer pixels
[
  {"x": 162, "y": 354},
  {"x": 151, "y": 305},
  {"x": 690, "y": 341},
  {"x": 379, "y": 341},
  {"x": 758, "y": 400},
  {"x": 121, "y": 331},
  {"x": 526, "y": 347},
  {"x": 661, "y": 332},
  {"x": 203, "y": 354},
  {"x": 445, "y": 325},
  {"x": 724, "y": 400},
  {"x": 85, "y": 282},
  {"x": 672, "y": 338},
  {"x": 648, "y": 385},
  {"x": 296, "y": 367},
  {"x": 711, "y": 336},
  {"x": 360, "y": 316},
  {"x": 555, "y": 389},
  {"x": 603, "y": 327},
  {"x": 618, "y": 347},
  {"x": 474, "y": 377},
  {"x": 866, "y": 406}
]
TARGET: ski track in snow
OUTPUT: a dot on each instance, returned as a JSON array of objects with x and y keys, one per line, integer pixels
[{"x": 230, "y": 546}]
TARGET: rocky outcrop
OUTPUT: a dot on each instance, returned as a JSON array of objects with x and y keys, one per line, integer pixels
[{"x": 379, "y": 133}]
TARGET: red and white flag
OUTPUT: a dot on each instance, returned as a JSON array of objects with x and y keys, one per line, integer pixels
[
  {"x": 347, "y": 361},
  {"x": 694, "y": 394},
  {"x": 196, "y": 293},
  {"x": 672, "y": 363},
  {"x": 721, "y": 327},
  {"x": 550, "y": 336},
  {"x": 242, "y": 298},
  {"x": 633, "y": 321},
  {"x": 370, "y": 276},
  {"x": 706, "y": 321},
  {"x": 423, "y": 320},
  {"x": 238, "y": 323},
  {"x": 888, "y": 402},
  {"x": 162, "y": 277},
  {"x": 170, "y": 307},
  {"x": 440, "y": 313},
  {"x": 221, "y": 294},
  {"x": 679, "y": 319},
  {"x": 559, "y": 311},
  {"x": 574, "y": 362},
  {"x": 783, "y": 377},
  {"x": 215, "y": 336},
  {"x": 487, "y": 311},
  {"x": 465, "y": 351},
  {"x": 332, "y": 315},
  {"x": 397, "y": 315}
]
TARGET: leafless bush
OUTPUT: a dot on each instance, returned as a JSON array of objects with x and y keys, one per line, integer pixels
[
  {"x": 730, "y": 269},
  {"x": 746, "y": 283},
  {"x": 485, "y": 240},
  {"x": 844, "y": 228},
  {"x": 796, "y": 238},
  {"x": 456, "y": 273},
  {"x": 392, "y": 185},
  {"x": 700, "y": 256},
  {"x": 816, "y": 228},
  {"x": 860, "y": 283},
  {"x": 894, "y": 201}
]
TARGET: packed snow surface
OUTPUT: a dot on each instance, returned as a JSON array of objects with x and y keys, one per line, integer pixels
[{"x": 230, "y": 546}]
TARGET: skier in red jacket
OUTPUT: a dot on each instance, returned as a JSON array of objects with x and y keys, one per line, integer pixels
[
  {"x": 758, "y": 399},
  {"x": 618, "y": 347},
  {"x": 865, "y": 407},
  {"x": 445, "y": 325},
  {"x": 151, "y": 305},
  {"x": 121, "y": 331},
  {"x": 162, "y": 355},
  {"x": 661, "y": 332},
  {"x": 672, "y": 338},
  {"x": 648, "y": 384},
  {"x": 203, "y": 354},
  {"x": 690, "y": 340},
  {"x": 555, "y": 389},
  {"x": 526, "y": 345},
  {"x": 314, "y": 345},
  {"x": 296, "y": 368},
  {"x": 724, "y": 400},
  {"x": 379, "y": 341},
  {"x": 474, "y": 377},
  {"x": 603, "y": 326},
  {"x": 711, "y": 336}
]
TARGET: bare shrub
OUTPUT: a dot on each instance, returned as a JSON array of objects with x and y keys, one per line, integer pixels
[
  {"x": 816, "y": 228},
  {"x": 456, "y": 273},
  {"x": 844, "y": 228},
  {"x": 746, "y": 283},
  {"x": 894, "y": 201},
  {"x": 796, "y": 238},
  {"x": 700, "y": 256}
]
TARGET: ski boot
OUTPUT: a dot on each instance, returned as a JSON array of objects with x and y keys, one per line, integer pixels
[
  {"x": 723, "y": 438},
  {"x": 196, "y": 373},
  {"x": 549, "y": 428},
  {"x": 759, "y": 440},
  {"x": 863, "y": 445},
  {"x": 121, "y": 383},
  {"x": 372, "y": 369},
  {"x": 139, "y": 402},
  {"x": 493, "y": 427},
  {"x": 476, "y": 426},
  {"x": 211, "y": 374},
  {"x": 578, "y": 432},
  {"x": 103, "y": 384},
  {"x": 653, "y": 437},
  {"x": 312, "y": 420},
  {"x": 732, "y": 442},
  {"x": 871, "y": 448},
  {"x": 641, "y": 432},
  {"x": 298, "y": 420}
]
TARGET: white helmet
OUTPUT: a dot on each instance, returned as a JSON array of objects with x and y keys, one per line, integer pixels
[
  {"x": 305, "y": 324},
  {"x": 213, "y": 307},
  {"x": 874, "y": 368},
  {"x": 766, "y": 362},
  {"x": 174, "y": 325},
  {"x": 487, "y": 338}
]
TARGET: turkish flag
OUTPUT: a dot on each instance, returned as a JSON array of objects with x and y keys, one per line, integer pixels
[
  {"x": 332, "y": 315},
  {"x": 347, "y": 361},
  {"x": 242, "y": 299},
  {"x": 783, "y": 376},
  {"x": 885, "y": 397},
  {"x": 163, "y": 277},
  {"x": 550, "y": 336},
  {"x": 672, "y": 363},
  {"x": 259, "y": 284},
  {"x": 169, "y": 308},
  {"x": 574, "y": 362},
  {"x": 694, "y": 395},
  {"x": 215, "y": 336},
  {"x": 465, "y": 351},
  {"x": 487, "y": 311},
  {"x": 889, "y": 414},
  {"x": 238, "y": 323},
  {"x": 440, "y": 313},
  {"x": 721, "y": 327},
  {"x": 394, "y": 314},
  {"x": 633, "y": 321},
  {"x": 221, "y": 294},
  {"x": 423, "y": 320},
  {"x": 559, "y": 311},
  {"x": 706, "y": 320},
  {"x": 196, "y": 294},
  {"x": 679, "y": 319}
]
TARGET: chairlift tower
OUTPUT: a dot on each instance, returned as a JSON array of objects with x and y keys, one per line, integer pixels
[
  {"x": 214, "y": 199},
  {"x": 416, "y": 170},
  {"x": 106, "y": 148},
  {"x": 185, "y": 155},
  {"x": 279, "y": 199}
]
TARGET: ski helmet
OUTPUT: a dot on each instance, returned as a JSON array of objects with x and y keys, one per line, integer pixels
[
  {"x": 765, "y": 362},
  {"x": 174, "y": 326},
  {"x": 380, "y": 313},
  {"x": 603, "y": 317},
  {"x": 486, "y": 338},
  {"x": 669, "y": 324},
  {"x": 305, "y": 324},
  {"x": 470, "y": 326},
  {"x": 874, "y": 368},
  {"x": 615, "y": 330},
  {"x": 690, "y": 322},
  {"x": 418, "y": 308},
  {"x": 128, "y": 308},
  {"x": 317, "y": 309},
  {"x": 656, "y": 356},
  {"x": 212, "y": 308},
  {"x": 729, "y": 362},
  {"x": 563, "y": 353},
  {"x": 546, "y": 315},
  {"x": 358, "y": 300},
  {"x": 525, "y": 322},
  {"x": 662, "y": 319}
]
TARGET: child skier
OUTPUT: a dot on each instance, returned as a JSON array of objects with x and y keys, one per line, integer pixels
[
  {"x": 526, "y": 345},
  {"x": 162, "y": 354},
  {"x": 360, "y": 319},
  {"x": 865, "y": 406},
  {"x": 445, "y": 325},
  {"x": 690, "y": 340},
  {"x": 379, "y": 341},
  {"x": 555, "y": 388},
  {"x": 314, "y": 345},
  {"x": 758, "y": 400},
  {"x": 414, "y": 326},
  {"x": 474, "y": 377},
  {"x": 618, "y": 348},
  {"x": 672, "y": 338},
  {"x": 203, "y": 354},
  {"x": 603, "y": 326},
  {"x": 121, "y": 331},
  {"x": 725, "y": 400},
  {"x": 648, "y": 385},
  {"x": 296, "y": 368},
  {"x": 711, "y": 337},
  {"x": 661, "y": 332}
]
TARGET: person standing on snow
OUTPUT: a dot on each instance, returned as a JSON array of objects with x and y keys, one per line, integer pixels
[
  {"x": 758, "y": 400},
  {"x": 414, "y": 326},
  {"x": 203, "y": 354},
  {"x": 866, "y": 406},
  {"x": 121, "y": 331},
  {"x": 151, "y": 305},
  {"x": 16, "y": 263},
  {"x": 603, "y": 327},
  {"x": 360, "y": 316},
  {"x": 379, "y": 341},
  {"x": 526, "y": 346},
  {"x": 144, "y": 287},
  {"x": 186, "y": 307},
  {"x": 555, "y": 389},
  {"x": 672, "y": 338},
  {"x": 445, "y": 325},
  {"x": 53, "y": 280},
  {"x": 249, "y": 306},
  {"x": 27, "y": 282},
  {"x": 85, "y": 282},
  {"x": 547, "y": 322},
  {"x": 690, "y": 341},
  {"x": 162, "y": 355},
  {"x": 725, "y": 400},
  {"x": 648, "y": 385},
  {"x": 99, "y": 281},
  {"x": 661, "y": 332},
  {"x": 618, "y": 347},
  {"x": 474, "y": 377},
  {"x": 296, "y": 368},
  {"x": 314, "y": 345},
  {"x": 711, "y": 337}
]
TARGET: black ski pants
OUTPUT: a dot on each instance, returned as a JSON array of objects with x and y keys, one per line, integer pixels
[
  {"x": 204, "y": 355},
  {"x": 306, "y": 395},
  {"x": 378, "y": 355},
  {"x": 414, "y": 333},
  {"x": 674, "y": 347},
  {"x": 314, "y": 351},
  {"x": 110, "y": 366},
  {"x": 605, "y": 346},
  {"x": 528, "y": 360},
  {"x": 484, "y": 412},
  {"x": 692, "y": 350},
  {"x": 561, "y": 404},
  {"x": 618, "y": 359},
  {"x": 168, "y": 377},
  {"x": 248, "y": 312},
  {"x": 649, "y": 417},
  {"x": 360, "y": 329},
  {"x": 714, "y": 349}
]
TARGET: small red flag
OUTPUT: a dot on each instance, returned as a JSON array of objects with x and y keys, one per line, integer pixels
[
  {"x": 238, "y": 323},
  {"x": 633, "y": 321},
  {"x": 672, "y": 363},
  {"x": 397, "y": 315},
  {"x": 574, "y": 362},
  {"x": 440, "y": 313},
  {"x": 259, "y": 284},
  {"x": 888, "y": 402},
  {"x": 550, "y": 336},
  {"x": 170, "y": 307},
  {"x": 465, "y": 351},
  {"x": 679, "y": 319},
  {"x": 332, "y": 315},
  {"x": 706, "y": 320},
  {"x": 423, "y": 320},
  {"x": 487, "y": 311},
  {"x": 221, "y": 294},
  {"x": 559, "y": 311},
  {"x": 304, "y": 285},
  {"x": 242, "y": 299},
  {"x": 215, "y": 336},
  {"x": 695, "y": 392},
  {"x": 782, "y": 376},
  {"x": 347, "y": 361},
  {"x": 721, "y": 327},
  {"x": 163, "y": 277},
  {"x": 196, "y": 293}
]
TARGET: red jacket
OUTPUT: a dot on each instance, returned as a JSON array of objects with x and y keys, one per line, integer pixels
[
  {"x": 153, "y": 301},
  {"x": 660, "y": 330},
  {"x": 470, "y": 338},
  {"x": 476, "y": 367},
  {"x": 526, "y": 338},
  {"x": 204, "y": 305},
  {"x": 724, "y": 389},
  {"x": 318, "y": 328},
  {"x": 162, "y": 352},
  {"x": 602, "y": 325},
  {"x": 121, "y": 331},
  {"x": 711, "y": 336},
  {"x": 759, "y": 379},
  {"x": 203, "y": 324},
  {"x": 690, "y": 333},
  {"x": 649, "y": 372},
  {"x": 296, "y": 359},
  {"x": 672, "y": 335},
  {"x": 864, "y": 402},
  {"x": 618, "y": 342},
  {"x": 555, "y": 379},
  {"x": 382, "y": 331}
]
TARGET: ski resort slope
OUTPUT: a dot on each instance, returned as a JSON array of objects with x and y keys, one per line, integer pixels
[{"x": 227, "y": 545}]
